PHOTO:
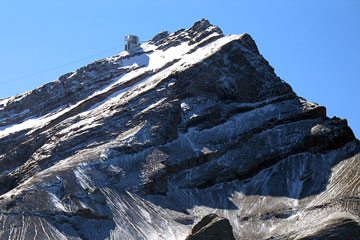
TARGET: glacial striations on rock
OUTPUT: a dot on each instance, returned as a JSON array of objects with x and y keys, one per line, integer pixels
[{"x": 144, "y": 144}]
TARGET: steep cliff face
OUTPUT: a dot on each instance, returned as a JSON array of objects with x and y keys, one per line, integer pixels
[{"x": 146, "y": 143}]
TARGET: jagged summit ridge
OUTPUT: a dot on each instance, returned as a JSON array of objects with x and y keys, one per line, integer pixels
[
  {"x": 196, "y": 33},
  {"x": 72, "y": 87},
  {"x": 144, "y": 144}
]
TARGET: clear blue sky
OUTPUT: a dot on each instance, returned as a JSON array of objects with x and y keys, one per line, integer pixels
[{"x": 314, "y": 45}]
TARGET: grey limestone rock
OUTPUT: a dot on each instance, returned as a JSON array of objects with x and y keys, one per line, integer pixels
[{"x": 142, "y": 144}]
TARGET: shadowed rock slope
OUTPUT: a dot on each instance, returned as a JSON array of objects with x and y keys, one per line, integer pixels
[
  {"x": 144, "y": 144},
  {"x": 212, "y": 227}
]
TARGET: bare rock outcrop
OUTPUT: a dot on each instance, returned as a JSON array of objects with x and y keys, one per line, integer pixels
[
  {"x": 191, "y": 123},
  {"x": 212, "y": 227}
]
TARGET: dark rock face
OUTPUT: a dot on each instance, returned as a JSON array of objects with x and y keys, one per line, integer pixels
[
  {"x": 341, "y": 229},
  {"x": 212, "y": 227},
  {"x": 139, "y": 145}
]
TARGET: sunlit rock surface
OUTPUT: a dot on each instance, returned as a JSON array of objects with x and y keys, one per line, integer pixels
[{"x": 144, "y": 144}]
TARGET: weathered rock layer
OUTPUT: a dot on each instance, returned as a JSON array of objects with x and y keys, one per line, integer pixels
[{"x": 146, "y": 143}]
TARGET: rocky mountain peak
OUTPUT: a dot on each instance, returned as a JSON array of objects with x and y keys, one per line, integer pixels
[
  {"x": 190, "y": 127},
  {"x": 202, "y": 26},
  {"x": 201, "y": 30}
]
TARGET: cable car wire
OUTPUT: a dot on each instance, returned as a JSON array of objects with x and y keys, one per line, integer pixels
[{"x": 60, "y": 66}]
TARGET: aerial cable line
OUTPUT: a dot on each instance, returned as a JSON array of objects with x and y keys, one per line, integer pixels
[{"x": 61, "y": 66}]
